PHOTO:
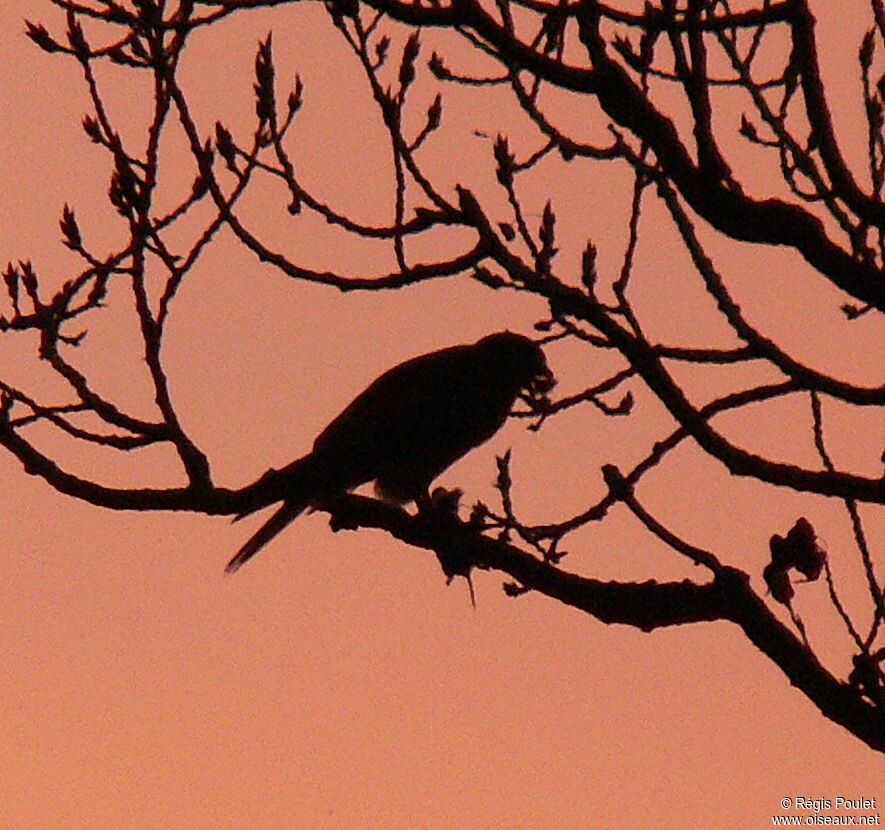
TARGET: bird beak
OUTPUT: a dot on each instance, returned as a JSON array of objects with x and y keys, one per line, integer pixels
[
  {"x": 541, "y": 384},
  {"x": 545, "y": 381}
]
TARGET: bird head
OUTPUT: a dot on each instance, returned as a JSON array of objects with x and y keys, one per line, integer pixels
[{"x": 521, "y": 361}]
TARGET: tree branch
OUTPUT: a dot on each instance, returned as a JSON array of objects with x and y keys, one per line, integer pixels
[{"x": 646, "y": 606}]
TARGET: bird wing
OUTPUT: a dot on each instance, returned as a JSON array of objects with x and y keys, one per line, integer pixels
[
  {"x": 421, "y": 394},
  {"x": 417, "y": 419}
]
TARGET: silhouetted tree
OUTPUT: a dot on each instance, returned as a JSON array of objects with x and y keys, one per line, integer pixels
[{"x": 656, "y": 84}]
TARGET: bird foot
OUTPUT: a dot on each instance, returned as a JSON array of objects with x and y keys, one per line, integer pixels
[{"x": 444, "y": 501}]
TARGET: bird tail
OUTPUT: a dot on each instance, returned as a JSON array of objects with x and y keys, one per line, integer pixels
[
  {"x": 297, "y": 485},
  {"x": 290, "y": 511}
]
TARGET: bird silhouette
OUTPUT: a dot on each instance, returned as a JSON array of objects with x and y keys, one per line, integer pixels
[{"x": 408, "y": 426}]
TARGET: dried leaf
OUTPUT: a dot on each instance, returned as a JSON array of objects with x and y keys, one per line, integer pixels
[
  {"x": 265, "y": 102},
  {"x": 296, "y": 97},
  {"x": 92, "y": 128},
  {"x": 504, "y": 159},
  {"x": 38, "y": 33},
  {"x": 224, "y": 143},
  {"x": 407, "y": 66},
  {"x": 69, "y": 229},
  {"x": 438, "y": 68},
  {"x": 434, "y": 114},
  {"x": 865, "y": 53},
  {"x": 77, "y": 39},
  {"x": 11, "y": 278},
  {"x": 381, "y": 48}
]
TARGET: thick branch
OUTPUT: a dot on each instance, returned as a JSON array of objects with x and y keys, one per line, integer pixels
[
  {"x": 566, "y": 301},
  {"x": 805, "y": 50},
  {"x": 768, "y": 221},
  {"x": 646, "y": 605},
  {"x": 216, "y": 500}
]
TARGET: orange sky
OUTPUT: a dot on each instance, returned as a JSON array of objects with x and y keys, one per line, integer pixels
[{"x": 337, "y": 682}]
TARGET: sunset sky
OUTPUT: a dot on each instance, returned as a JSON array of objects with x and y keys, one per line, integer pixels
[{"x": 337, "y": 681}]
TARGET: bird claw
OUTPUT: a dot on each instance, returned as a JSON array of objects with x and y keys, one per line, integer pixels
[
  {"x": 445, "y": 501},
  {"x": 342, "y": 519}
]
